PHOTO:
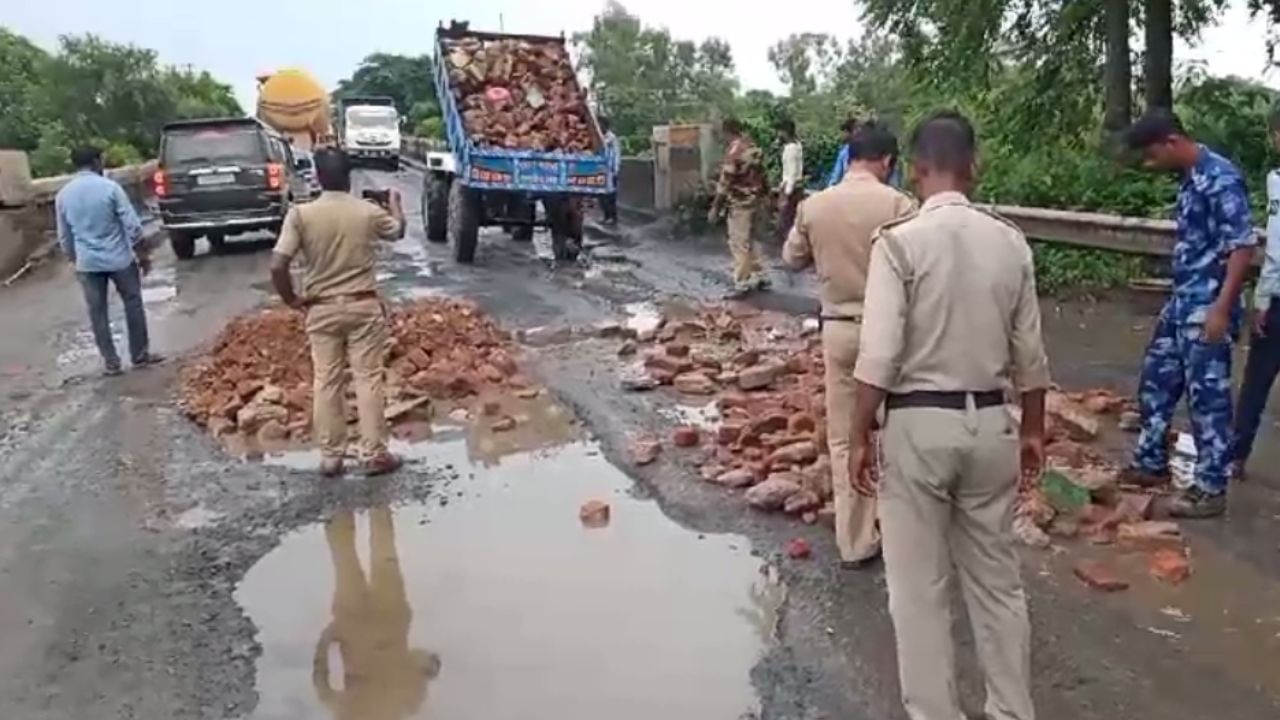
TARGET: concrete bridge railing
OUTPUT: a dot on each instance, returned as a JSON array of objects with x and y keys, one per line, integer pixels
[{"x": 27, "y": 222}]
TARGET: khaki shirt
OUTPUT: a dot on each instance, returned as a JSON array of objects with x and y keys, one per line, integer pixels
[
  {"x": 834, "y": 229},
  {"x": 335, "y": 234},
  {"x": 951, "y": 304}
]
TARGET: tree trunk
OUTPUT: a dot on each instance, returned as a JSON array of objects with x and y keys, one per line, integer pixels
[
  {"x": 1117, "y": 73},
  {"x": 1158, "y": 68}
]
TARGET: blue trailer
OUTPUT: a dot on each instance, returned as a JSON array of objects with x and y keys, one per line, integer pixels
[{"x": 469, "y": 186}]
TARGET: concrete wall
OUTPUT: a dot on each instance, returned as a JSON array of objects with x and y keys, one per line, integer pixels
[
  {"x": 635, "y": 183},
  {"x": 26, "y": 229}
]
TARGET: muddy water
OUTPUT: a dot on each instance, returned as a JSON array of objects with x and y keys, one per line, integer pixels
[{"x": 495, "y": 602}]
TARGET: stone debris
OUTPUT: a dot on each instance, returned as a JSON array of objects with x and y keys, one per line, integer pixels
[
  {"x": 799, "y": 549},
  {"x": 773, "y": 493},
  {"x": 1099, "y": 576},
  {"x": 259, "y": 368},
  {"x": 504, "y": 424},
  {"x": 685, "y": 436},
  {"x": 594, "y": 513},
  {"x": 1171, "y": 566},
  {"x": 644, "y": 451}
]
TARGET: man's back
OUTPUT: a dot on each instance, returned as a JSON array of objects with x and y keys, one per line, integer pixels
[
  {"x": 335, "y": 235},
  {"x": 96, "y": 223},
  {"x": 964, "y": 282},
  {"x": 835, "y": 227}
]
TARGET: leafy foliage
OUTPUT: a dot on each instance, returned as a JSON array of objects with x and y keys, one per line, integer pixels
[
  {"x": 406, "y": 79},
  {"x": 93, "y": 91},
  {"x": 640, "y": 76}
]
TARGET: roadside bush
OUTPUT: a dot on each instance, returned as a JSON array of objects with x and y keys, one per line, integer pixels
[
  {"x": 52, "y": 154},
  {"x": 119, "y": 154}
]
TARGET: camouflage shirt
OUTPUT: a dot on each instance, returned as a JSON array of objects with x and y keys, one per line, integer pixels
[{"x": 742, "y": 180}]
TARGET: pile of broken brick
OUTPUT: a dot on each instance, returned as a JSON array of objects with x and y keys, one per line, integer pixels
[
  {"x": 764, "y": 373},
  {"x": 255, "y": 382}
]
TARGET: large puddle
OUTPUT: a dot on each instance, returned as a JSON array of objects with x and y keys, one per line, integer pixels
[{"x": 496, "y": 602}]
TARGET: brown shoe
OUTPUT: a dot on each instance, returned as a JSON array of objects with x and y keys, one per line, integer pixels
[
  {"x": 331, "y": 467},
  {"x": 1142, "y": 478},
  {"x": 383, "y": 464}
]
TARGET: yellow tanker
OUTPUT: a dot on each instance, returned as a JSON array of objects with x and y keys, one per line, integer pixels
[{"x": 295, "y": 104}]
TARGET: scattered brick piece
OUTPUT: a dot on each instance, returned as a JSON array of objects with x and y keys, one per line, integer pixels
[
  {"x": 685, "y": 436},
  {"x": 594, "y": 513},
  {"x": 1170, "y": 566},
  {"x": 799, "y": 549},
  {"x": 1099, "y": 576}
]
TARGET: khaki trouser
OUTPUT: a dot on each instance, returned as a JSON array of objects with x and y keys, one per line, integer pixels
[
  {"x": 946, "y": 498},
  {"x": 354, "y": 334},
  {"x": 746, "y": 261},
  {"x": 856, "y": 533},
  {"x": 381, "y": 676}
]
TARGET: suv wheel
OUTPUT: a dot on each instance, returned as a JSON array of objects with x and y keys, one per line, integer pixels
[
  {"x": 183, "y": 244},
  {"x": 217, "y": 242}
]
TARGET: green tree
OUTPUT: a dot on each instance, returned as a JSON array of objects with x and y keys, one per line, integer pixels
[
  {"x": 199, "y": 94},
  {"x": 23, "y": 110},
  {"x": 640, "y": 76},
  {"x": 104, "y": 90},
  {"x": 406, "y": 79},
  {"x": 805, "y": 61}
]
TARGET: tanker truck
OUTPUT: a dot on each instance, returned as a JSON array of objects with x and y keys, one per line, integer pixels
[{"x": 294, "y": 104}]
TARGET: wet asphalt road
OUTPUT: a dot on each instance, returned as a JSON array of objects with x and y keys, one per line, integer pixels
[{"x": 135, "y": 555}]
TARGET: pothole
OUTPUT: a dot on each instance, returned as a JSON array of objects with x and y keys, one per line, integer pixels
[{"x": 498, "y": 603}]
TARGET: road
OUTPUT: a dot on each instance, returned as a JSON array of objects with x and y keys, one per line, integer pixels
[{"x": 145, "y": 573}]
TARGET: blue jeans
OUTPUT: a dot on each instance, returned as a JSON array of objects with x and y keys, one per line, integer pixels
[
  {"x": 128, "y": 284},
  {"x": 1259, "y": 374},
  {"x": 1178, "y": 362}
]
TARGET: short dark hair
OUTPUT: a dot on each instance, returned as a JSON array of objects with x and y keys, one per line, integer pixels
[
  {"x": 945, "y": 140},
  {"x": 873, "y": 141},
  {"x": 85, "y": 156},
  {"x": 731, "y": 126},
  {"x": 787, "y": 125},
  {"x": 333, "y": 169},
  {"x": 1156, "y": 125}
]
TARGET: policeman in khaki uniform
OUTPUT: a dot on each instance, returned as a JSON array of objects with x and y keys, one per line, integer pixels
[
  {"x": 346, "y": 324},
  {"x": 740, "y": 188},
  {"x": 951, "y": 318},
  {"x": 833, "y": 230}
]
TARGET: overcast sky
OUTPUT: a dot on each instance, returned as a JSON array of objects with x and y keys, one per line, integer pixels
[{"x": 236, "y": 39}]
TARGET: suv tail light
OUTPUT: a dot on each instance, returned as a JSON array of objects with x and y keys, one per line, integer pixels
[
  {"x": 274, "y": 173},
  {"x": 160, "y": 183}
]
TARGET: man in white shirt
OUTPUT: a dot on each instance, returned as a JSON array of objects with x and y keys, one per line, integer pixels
[
  {"x": 1264, "y": 338},
  {"x": 791, "y": 192},
  {"x": 613, "y": 151}
]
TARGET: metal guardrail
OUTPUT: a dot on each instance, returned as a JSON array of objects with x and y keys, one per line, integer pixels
[{"x": 1134, "y": 235}]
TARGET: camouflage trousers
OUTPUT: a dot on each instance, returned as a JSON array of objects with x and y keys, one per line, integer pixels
[{"x": 1178, "y": 362}]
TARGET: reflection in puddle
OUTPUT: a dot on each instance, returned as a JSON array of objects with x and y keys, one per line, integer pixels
[{"x": 501, "y": 605}]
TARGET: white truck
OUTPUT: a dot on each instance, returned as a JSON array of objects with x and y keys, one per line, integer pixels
[{"x": 370, "y": 128}]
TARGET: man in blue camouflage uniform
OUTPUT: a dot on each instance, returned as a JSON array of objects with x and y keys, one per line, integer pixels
[{"x": 1191, "y": 348}]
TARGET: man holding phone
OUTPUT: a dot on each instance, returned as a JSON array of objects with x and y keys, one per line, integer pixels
[{"x": 346, "y": 325}]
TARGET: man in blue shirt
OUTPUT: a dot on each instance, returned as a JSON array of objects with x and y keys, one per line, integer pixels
[
  {"x": 1191, "y": 347},
  {"x": 101, "y": 234},
  {"x": 841, "y": 166}
]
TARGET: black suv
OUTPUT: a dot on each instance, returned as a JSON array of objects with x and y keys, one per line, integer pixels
[{"x": 223, "y": 176}]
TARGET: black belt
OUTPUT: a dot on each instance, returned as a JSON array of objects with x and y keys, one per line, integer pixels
[
  {"x": 824, "y": 319},
  {"x": 945, "y": 400}
]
